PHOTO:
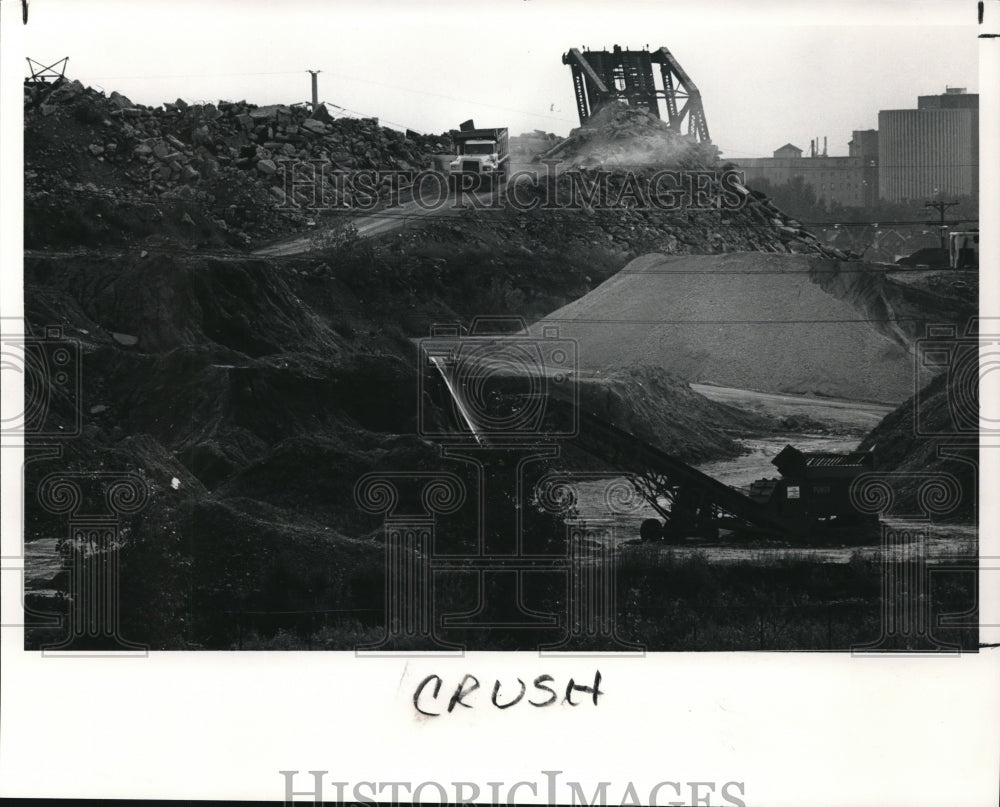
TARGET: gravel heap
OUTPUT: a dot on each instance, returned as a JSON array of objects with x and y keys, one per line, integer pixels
[{"x": 747, "y": 320}]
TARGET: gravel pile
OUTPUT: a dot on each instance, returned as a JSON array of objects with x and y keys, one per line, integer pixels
[{"x": 746, "y": 320}]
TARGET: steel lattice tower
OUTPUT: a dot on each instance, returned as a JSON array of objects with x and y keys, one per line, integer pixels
[{"x": 629, "y": 76}]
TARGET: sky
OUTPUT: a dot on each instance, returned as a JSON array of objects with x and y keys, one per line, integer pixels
[{"x": 769, "y": 72}]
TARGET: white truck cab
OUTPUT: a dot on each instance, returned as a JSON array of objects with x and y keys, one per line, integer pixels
[{"x": 481, "y": 152}]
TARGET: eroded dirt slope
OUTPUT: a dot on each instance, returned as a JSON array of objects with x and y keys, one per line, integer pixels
[{"x": 773, "y": 323}]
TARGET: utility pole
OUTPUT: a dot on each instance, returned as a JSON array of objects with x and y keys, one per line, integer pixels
[
  {"x": 315, "y": 89},
  {"x": 940, "y": 207}
]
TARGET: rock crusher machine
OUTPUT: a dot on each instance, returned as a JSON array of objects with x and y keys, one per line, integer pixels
[{"x": 810, "y": 500}]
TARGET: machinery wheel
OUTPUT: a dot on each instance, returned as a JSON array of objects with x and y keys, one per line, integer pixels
[{"x": 651, "y": 530}]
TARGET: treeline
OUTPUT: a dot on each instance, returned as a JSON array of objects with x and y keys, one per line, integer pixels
[{"x": 797, "y": 198}]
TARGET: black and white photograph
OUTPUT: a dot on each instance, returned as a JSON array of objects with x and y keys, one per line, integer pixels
[{"x": 580, "y": 340}]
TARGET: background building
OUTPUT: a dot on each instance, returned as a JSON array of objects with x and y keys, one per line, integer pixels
[
  {"x": 864, "y": 145},
  {"x": 931, "y": 150},
  {"x": 833, "y": 179},
  {"x": 915, "y": 154}
]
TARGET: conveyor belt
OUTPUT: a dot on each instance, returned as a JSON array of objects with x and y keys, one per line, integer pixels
[{"x": 632, "y": 455}]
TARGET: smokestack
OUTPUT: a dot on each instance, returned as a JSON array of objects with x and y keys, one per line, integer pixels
[{"x": 824, "y": 145}]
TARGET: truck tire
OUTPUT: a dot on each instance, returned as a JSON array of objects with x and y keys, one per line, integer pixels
[{"x": 651, "y": 530}]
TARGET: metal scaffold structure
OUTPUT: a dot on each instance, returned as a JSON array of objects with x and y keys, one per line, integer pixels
[
  {"x": 46, "y": 73},
  {"x": 629, "y": 76}
]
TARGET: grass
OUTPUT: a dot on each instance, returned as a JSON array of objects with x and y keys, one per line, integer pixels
[{"x": 687, "y": 604}]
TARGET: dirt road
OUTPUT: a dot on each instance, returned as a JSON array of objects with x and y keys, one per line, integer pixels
[
  {"x": 370, "y": 225},
  {"x": 408, "y": 212},
  {"x": 838, "y": 413}
]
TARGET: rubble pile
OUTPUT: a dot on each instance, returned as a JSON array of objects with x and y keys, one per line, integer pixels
[
  {"x": 623, "y": 136},
  {"x": 528, "y": 145},
  {"x": 792, "y": 236},
  {"x": 631, "y": 141},
  {"x": 757, "y": 225},
  {"x": 224, "y": 159}
]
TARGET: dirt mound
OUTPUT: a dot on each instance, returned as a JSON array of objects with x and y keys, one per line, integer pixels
[
  {"x": 741, "y": 320},
  {"x": 941, "y": 448},
  {"x": 660, "y": 408}
]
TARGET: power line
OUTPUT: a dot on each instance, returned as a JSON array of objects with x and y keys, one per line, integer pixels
[
  {"x": 390, "y": 213},
  {"x": 194, "y": 75},
  {"x": 880, "y": 223},
  {"x": 451, "y": 98},
  {"x": 833, "y": 169},
  {"x": 336, "y": 75},
  {"x": 885, "y": 320},
  {"x": 940, "y": 207},
  {"x": 366, "y": 115}
]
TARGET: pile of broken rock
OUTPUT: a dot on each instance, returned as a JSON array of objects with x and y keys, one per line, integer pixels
[{"x": 205, "y": 152}]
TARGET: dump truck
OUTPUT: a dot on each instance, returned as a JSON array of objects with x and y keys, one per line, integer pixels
[
  {"x": 963, "y": 249},
  {"x": 962, "y": 252},
  {"x": 482, "y": 154}
]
